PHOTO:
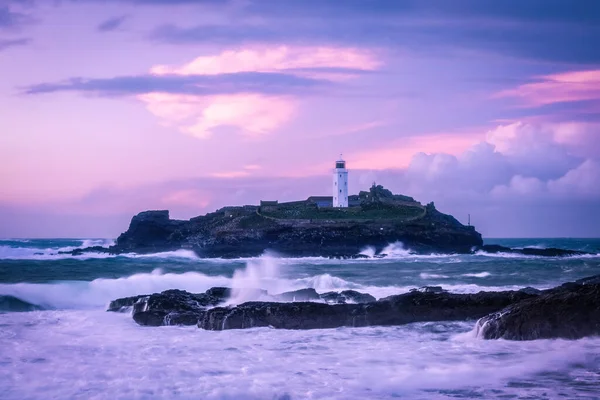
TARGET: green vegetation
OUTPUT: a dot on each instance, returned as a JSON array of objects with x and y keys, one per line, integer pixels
[{"x": 364, "y": 212}]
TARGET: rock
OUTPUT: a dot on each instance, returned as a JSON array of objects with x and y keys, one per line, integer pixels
[
  {"x": 171, "y": 307},
  {"x": 530, "y": 290},
  {"x": 551, "y": 252},
  {"x": 219, "y": 292},
  {"x": 149, "y": 232},
  {"x": 393, "y": 310},
  {"x": 429, "y": 289},
  {"x": 123, "y": 304},
  {"x": 84, "y": 250},
  {"x": 568, "y": 312},
  {"x": 298, "y": 295},
  {"x": 530, "y": 251},
  {"x": 347, "y": 296}
]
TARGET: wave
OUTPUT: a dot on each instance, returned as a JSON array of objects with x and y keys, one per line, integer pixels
[
  {"x": 262, "y": 273},
  {"x": 97, "y": 242},
  {"x": 482, "y": 253},
  {"x": 40, "y": 254},
  {"x": 425, "y": 275},
  {"x": 478, "y": 275},
  {"x": 14, "y": 304}
]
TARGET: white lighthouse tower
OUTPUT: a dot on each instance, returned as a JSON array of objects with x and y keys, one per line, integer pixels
[{"x": 340, "y": 184}]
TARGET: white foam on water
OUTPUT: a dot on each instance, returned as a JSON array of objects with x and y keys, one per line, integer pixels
[
  {"x": 523, "y": 256},
  {"x": 97, "y": 242},
  {"x": 261, "y": 274},
  {"x": 30, "y": 253},
  {"x": 484, "y": 274},
  {"x": 425, "y": 275},
  {"x": 93, "y": 354},
  {"x": 368, "y": 251},
  {"x": 396, "y": 250}
]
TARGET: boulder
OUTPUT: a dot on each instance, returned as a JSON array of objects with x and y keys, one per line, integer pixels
[
  {"x": 123, "y": 304},
  {"x": 347, "y": 296},
  {"x": 570, "y": 312},
  {"x": 171, "y": 307},
  {"x": 429, "y": 289},
  {"x": 298, "y": 295}
]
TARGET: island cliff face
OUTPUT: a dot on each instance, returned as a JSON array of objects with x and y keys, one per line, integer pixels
[{"x": 304, "y": 228}]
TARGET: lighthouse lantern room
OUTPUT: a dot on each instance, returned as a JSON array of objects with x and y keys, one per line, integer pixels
[{"x": 340, "y": 184}]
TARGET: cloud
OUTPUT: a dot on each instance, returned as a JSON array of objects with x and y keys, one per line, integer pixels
[
  {"x": 311, "y": 61},
  {"x": 254, "y": 111},
  {"x": 546, "y": 30},
  {"x": 563, "y": 87},
  {"x": 8, "y": 43},
  {"x": 199, "y": 85},
  {"x": 112, "y": 23},
  {"x": 10, "y": 19},
  {"x": 254, "y": 90},
  {"x": 517, "y": 162},
  {"x": 398, "y": 154}
]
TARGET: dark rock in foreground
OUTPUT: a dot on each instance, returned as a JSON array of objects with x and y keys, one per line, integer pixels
[
  {"x": 298, "y": 295},
  {"x": 347, "y": 296},
  {"x": 174, "y": 307},
  {"x": 571, "y": 311},
  {"x": 178, "y": 307},
  {"x": 393, "y": 310}
]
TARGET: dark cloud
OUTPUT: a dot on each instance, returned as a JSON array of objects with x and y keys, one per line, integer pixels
[
  {"x": 242, "y": 82},
  {"x": 10, "y": 19},
  {"x": 550, "y": 30},
  {"x": 5, "y": 44},
  {"x": 112, "y": 23}
]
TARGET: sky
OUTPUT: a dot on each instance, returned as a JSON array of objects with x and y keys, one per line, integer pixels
[{"x": 112, "y": 107}]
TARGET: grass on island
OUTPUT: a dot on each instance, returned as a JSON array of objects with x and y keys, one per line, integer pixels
[{"x": 350, "y": 213}]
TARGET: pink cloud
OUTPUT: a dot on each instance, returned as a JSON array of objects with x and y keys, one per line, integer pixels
[
  {"x": 271, "y": 59},
  {"x": 186, "y": 198},
  {"x": 254, "y": 114},
  {"x": 558, "y": 88},
  {"x": 400, "y": 153},
  {"x": 246, "y": 171}
]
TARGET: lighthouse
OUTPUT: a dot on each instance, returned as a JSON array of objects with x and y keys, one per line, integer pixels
[{"x": 340, "y": 184}]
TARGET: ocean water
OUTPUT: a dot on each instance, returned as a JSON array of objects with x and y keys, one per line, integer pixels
[{"x": 69, "y": 347}]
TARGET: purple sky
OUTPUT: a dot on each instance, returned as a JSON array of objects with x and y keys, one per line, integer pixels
[{"x": 111, "y": 107}]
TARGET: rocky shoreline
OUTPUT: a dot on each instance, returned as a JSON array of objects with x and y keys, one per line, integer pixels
[{"x": 570, "y": 311}]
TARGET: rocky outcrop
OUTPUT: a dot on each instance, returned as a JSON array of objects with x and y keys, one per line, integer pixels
[
  {"x": 293, "y": 310},
  {"x": 347, "y": 296},
  {"x": 530, "y": 251},
  {"x": 394, "y": 310},
  {"x": 571, "y": 311},
  {"x": 150, "y": 232},
  {"x": 178, "y": 307},
  {"x": 173, "y": 307}
]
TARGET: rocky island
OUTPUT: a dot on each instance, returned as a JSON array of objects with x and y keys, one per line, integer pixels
[{"x": 312, "y": 227}]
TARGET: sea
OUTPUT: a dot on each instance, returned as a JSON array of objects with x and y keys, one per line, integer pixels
[{"x": 69, "y": 347}]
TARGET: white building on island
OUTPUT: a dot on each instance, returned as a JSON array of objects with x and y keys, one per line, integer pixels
[{"x": 340, "y": 184}]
